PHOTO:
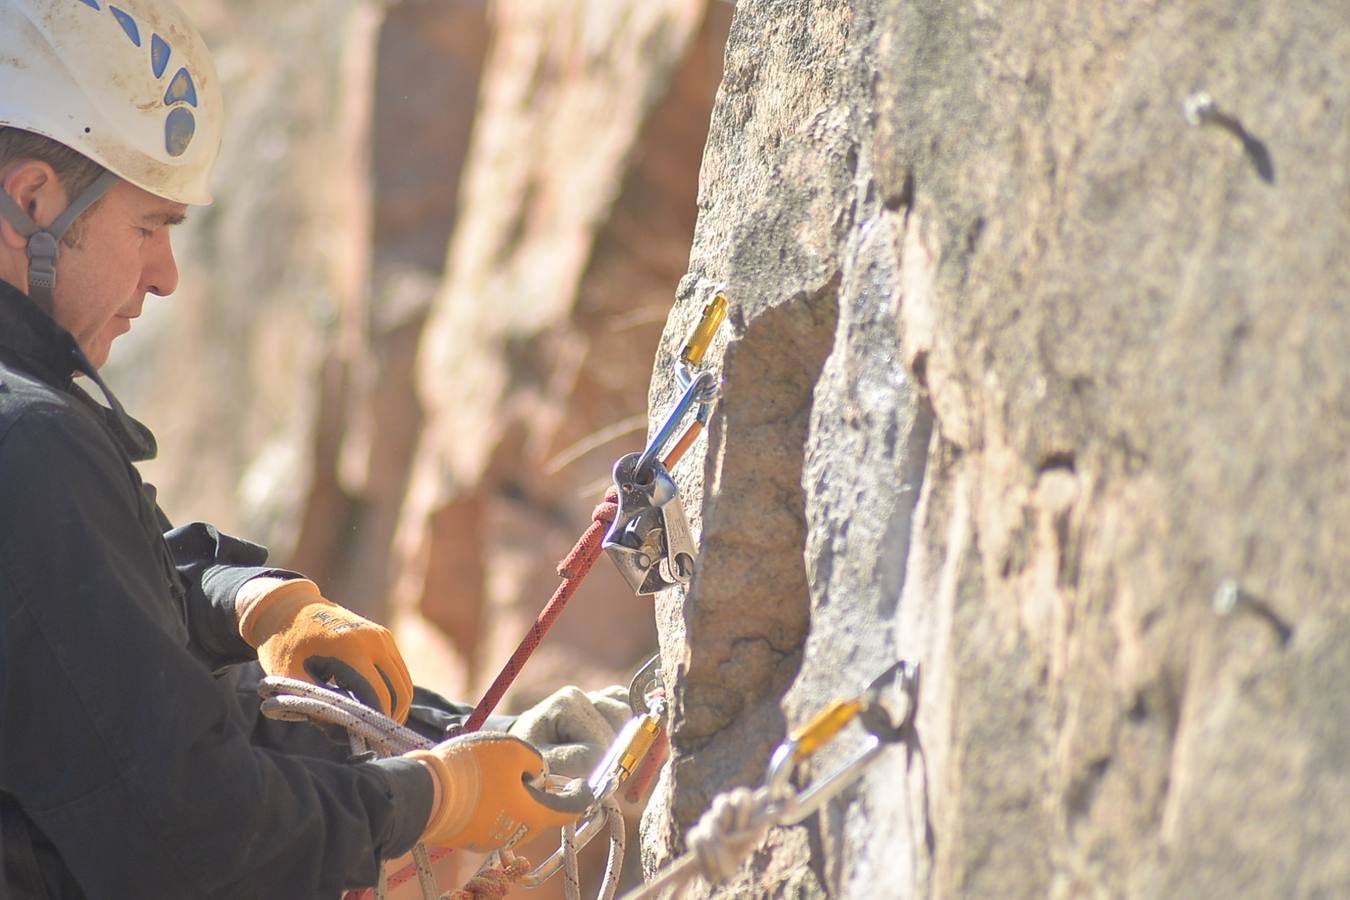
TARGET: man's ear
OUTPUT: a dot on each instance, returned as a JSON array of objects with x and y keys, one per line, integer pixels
[{"x": 35, "y": 188}]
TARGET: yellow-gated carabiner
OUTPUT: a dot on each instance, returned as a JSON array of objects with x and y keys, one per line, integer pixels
[
  {"x": 691, "y": 357},
  {"x": 822, "y": 728},
  {"x": 883, "y": 726},
  {"x": 714, "y": 314},
  {"x": 626, "y": 753}
]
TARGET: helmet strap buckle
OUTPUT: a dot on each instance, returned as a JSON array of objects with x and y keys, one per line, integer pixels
[{"x": 44, "y": 244}]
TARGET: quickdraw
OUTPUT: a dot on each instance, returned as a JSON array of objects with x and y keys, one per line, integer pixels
[
  {"x": 738, "y": 820},
  {"x": 650, "y": 542}
]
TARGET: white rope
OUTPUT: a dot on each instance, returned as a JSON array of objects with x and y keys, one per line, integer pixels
[
  {"x": 292, "y": 700},
  {"x": 426, "y": 878},
  {"x": 614, "y": 862},
  {"x": 571, "y": 878},
  {"x": 724, "y": 837}
]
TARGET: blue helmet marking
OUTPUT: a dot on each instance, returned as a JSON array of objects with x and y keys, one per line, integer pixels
[
  {"x": 180, "y": 125},
  {"x": 179, "y": 128},
  {"x": 181, "y": 89},
  {"x": 160, "y": 51},
  {"x": 128, "y": 24}
]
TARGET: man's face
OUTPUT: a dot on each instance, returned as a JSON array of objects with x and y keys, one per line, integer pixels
[{"x": 122, "y": 253}]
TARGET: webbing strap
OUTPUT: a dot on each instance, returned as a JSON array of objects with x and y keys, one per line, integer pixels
[
  {"x": 16, "y": 216},
  {"x": 27, "y": 227}
]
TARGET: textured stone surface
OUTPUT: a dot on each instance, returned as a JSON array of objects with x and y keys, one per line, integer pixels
[{"x": 1099, "y": 354}]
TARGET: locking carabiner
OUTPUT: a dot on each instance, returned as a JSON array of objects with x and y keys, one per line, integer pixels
[
  {"x": 714, "y": 314},
  {"x": 697, "y": 387},
  {"x": 874, "y": 709},
  {"x": 702, "y": 385}
]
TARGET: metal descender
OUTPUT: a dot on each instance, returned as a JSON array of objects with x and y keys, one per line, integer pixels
[{"x": 650, "y": 541}]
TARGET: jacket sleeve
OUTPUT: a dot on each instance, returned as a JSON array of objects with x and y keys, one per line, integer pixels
[
  {"x": 117, "y": 742},
  {"x": 213, "y": 566}
]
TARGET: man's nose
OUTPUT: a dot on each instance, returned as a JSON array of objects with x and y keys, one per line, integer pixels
[{"x": 161, "y": 269}]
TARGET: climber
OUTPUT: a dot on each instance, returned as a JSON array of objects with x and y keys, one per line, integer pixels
[{"x": 133, "y": 761}]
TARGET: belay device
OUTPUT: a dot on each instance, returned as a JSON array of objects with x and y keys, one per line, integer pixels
[{"x": 650, "y": 541}]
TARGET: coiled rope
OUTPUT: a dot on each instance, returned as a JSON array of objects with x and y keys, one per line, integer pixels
[{"x": 292, "y": 700}]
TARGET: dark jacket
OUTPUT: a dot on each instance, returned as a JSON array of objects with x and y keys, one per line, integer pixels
[{"x": 127, "y": 766}]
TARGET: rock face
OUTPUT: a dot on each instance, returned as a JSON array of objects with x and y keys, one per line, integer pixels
[{"x": 1036, "y": 383}]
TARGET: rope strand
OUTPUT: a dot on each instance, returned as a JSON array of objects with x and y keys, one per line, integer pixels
[
  {"x": 573, "y": 569},
  {"x": 722, "y": 840}
]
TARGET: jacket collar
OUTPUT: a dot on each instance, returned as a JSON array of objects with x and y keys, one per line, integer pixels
[
  {"x": 47, "y": 351},
  {"x": 44, "y": 348}
]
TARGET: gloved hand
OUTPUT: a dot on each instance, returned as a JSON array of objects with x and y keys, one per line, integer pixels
[
  {"x": 484, "y": 800},
  {"x": 573, "y": 729},
  {"x": 300, "y": 634}
]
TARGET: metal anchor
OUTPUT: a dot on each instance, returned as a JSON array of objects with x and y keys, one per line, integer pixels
[{"x": 649, "y": 541}]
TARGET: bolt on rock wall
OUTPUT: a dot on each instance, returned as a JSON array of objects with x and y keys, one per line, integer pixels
[{"x": 1035, "y": 382}]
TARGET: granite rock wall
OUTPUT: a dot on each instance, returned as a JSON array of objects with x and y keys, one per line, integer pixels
[{"x": 1037, "y": 377}]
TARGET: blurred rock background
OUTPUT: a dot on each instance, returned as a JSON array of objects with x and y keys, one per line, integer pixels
[{"x": 1026, "y": 378}]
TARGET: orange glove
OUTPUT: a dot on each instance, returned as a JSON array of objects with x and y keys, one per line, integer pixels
[
  {"x": 484, "y": 797},
  {"x": 299, "y": 634}
]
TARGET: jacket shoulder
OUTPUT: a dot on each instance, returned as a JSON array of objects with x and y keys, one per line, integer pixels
[
  {"x": 38, "y": 415},
  {"x": 20, "y": 392}
]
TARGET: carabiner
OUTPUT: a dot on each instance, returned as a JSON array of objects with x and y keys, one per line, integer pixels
[
  {"x": 805, "y": 741},
  {"x": 630, "y": 747},
  {"x": 714, "y": 314},
  {"x": 585, "y": 833},
  {"x": 698, "y": 385},
  {"x": 873, "y": 709}
]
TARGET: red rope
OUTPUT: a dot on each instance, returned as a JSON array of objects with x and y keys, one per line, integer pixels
[{"x": 573, "y": 568}]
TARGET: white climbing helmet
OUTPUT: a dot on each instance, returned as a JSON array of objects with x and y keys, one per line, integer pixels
[{"x": 128, "y": 84}]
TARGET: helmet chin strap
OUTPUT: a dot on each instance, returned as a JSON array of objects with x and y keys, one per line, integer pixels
[{"x": 44, "y": 244}]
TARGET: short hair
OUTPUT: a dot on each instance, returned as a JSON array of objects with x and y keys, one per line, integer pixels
[{"x": 73, "y": 169}]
